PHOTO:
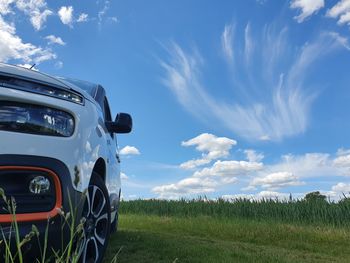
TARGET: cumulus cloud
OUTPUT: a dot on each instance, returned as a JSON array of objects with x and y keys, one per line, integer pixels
[
  {"x": 342, "y": 161},
  {"x": 55, "y": 40},
  {"x": 211, "y": 146},
  {"x": 305, "y": 166},
  {"x": 37, "y": 11},
  {"x": 291, "y": 170},
  {"x": 307, "y": 8},
  {"x": 267, "y": 102},
  {"x": 5, "y": 6},
  {"x": 129, "y": 150},
  {"x": 264, "y": 179},
  {"x": 13, "y": 47},
  {"x": 277, "y": 180},
  {"x": 229, "y": 169},
  {"x": 66, "y": 15},
  {"x": 186, "y": 186},
  {"x": 340, "y": 11},
  {"x": 341, "y": 188},
  {"x": 208, "y": 179}
]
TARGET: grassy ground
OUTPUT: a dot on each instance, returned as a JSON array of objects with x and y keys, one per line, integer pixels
[{"x": 152, "y": 238}]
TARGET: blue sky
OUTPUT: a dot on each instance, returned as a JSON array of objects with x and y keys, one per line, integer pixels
[{"x": 240, "y": 98}]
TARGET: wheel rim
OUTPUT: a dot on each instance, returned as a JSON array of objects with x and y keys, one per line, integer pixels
[{"x": 95, "y": 212}]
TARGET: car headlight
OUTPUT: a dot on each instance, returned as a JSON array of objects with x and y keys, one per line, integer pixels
[
  {"x": 30, "y": 86},
  {"x": 34, "y": 119}
]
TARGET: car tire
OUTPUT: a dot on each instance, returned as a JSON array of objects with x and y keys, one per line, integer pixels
[{"x": 97, "y": 224}]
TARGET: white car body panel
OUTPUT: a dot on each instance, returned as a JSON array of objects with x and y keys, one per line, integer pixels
[{"x": 89, "y": 142}]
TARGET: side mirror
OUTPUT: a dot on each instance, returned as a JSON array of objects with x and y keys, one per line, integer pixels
[{"x": 122, "y": 124}]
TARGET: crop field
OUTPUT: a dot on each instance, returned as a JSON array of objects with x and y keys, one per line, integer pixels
[{"x": 238, "y": 231}]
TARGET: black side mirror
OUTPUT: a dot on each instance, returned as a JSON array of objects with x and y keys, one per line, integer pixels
[{"x": 122, "y": 124}]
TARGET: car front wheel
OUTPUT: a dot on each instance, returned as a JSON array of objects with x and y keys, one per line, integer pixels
[{"x": 97, "y": 216}]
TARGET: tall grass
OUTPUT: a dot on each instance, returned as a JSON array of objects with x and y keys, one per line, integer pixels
[
  {"x": 12, "y": 244},
  {"x": 317, "y": 212}
]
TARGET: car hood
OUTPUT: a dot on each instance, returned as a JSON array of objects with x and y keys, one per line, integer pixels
[{"x": 34, "y": 75}]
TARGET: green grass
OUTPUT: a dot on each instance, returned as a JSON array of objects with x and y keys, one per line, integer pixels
[
  {"x": 153, "y": 238},
  {"x": 317, "y": 212}
]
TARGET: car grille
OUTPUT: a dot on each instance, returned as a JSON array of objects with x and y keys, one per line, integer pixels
[{"x": 15, "y": 183}]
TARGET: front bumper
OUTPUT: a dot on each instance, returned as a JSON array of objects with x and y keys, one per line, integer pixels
[{"x": 68, "y": 196}]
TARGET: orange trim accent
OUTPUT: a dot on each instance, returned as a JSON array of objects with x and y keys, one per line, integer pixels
[{"x": 40, "y": 215}]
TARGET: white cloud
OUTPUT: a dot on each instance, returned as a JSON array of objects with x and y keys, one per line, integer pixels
[
  {"x": 55, "y": 40},
  {"x": 208, "y": 179},
  {"x": 123, "y": 176},
  {"x": 213, "y": 148},
  {"x": 307, "y": 8},
  {"x": 277, "y": 180},
  {"x": 191, "y": 164},
  {"x": 185, "y": 187},
  {"x": 5, "y": 6},
  {"x": 253, "y": 156},
  {"x": 129, "y": 150},
  {"x": 344, "y": 19},
  {"x": 13, "y": 47},
  {"x": 338, "y": 191},
  {"x": 82, "y": 18},
  {"x": 341, "y": 188},
  {"x": 226, "y": 41},
  {"x": 342, "y": 151},
  {"x": 305, "y": 166},
  {"x": 341, "y": 10},
  {"x": 342, "y": 162},
  {"x": 248, "y": 43},
  {"x": 66, "y": 15},
  {"x": 229, "y": 169},
  {"x": 37, "y": 11},
  {"x": 269, "y": 102}
]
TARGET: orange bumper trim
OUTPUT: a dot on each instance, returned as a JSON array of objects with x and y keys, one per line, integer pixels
[{"x": 26, "y": 217}]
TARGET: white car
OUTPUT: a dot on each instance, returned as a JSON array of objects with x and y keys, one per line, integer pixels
[{"x": 58, "y": 141}]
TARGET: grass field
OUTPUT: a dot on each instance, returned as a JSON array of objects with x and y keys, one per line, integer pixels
[
  {"x": 146, "y": 238},
  {"x": 240, "y": 231}
]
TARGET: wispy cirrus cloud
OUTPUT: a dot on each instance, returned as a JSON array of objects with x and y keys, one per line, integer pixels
[
  {"x": 227, "y": 41},
  {"x": 268, "y": 101}
]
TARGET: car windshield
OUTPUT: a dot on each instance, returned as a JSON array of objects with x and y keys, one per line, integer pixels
[{"x": 84, "y": 85}]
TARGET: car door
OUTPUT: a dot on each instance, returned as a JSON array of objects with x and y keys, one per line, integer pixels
[{"x": 113, "y": 161}]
